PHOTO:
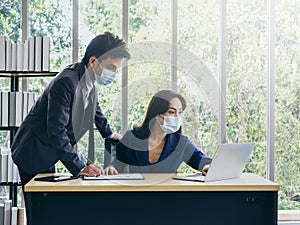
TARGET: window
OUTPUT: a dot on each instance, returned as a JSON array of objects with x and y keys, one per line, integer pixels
[
  {"x": 287, "y": 104},
  {"x": 246, "y": 99},
  {"x": 194, "y": 25},
  {"x": 97, "y": 17},
  {"x": 45, "y": 19},
  {"x": 149, "y": 68},
  {"x": 197, "y": 71},
  {"x": 10, "y": 25}
]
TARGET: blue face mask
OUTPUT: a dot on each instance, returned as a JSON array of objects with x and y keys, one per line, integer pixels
[{"x": 106, "y": 76}]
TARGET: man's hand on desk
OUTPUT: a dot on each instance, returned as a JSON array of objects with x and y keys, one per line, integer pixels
[
  {"x": 110, "y": 170},
  {"x": 92, "y": 170},
  {"x": 205, "y": 170}
]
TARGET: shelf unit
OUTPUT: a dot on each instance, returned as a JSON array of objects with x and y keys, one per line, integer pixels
[
  {"x": 14, "y": 77},
  {"x": 14, "y": 87},
  {"x": 13, "y": 191}
]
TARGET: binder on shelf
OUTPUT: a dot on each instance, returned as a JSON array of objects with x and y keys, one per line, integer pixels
[
  {"x": 15, "y": 108},
  {"x": 10, "y": 166},
  {"x": 31, "y": 100},
  {"x": 8, "y": 170},
  {"x": 3, "y": 164},
  {"x": 18, "y": 107},
  {"x": 38, "y": 54},
  {"x": 25, "y": 104},
  {"x": 9, "y": 215},
  {"x": 7, "y": 211},
  {"x": 12, "y": 109},
  {"x": 1, "y": 108},
  {"x": 21, "y": 216},
  {"x": 31, "y": 53},
  {"x": 4, "y": 108},
  {"x": 16, "y": 176},
  {"x": 13, "y": 57},
  {"x": 46, "y": 54},
  {"x": 14, "y": 216},
  {"x": 26, "y": 58},
  {"x": 2, "y": 214},
  {"x": 2, "y": 52},
  {"x": 8, "y": 55},
  {"x": 20, "y": 56}
]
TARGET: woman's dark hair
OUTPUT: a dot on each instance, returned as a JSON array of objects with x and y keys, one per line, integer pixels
[
  {"x": 159, "y": 104},
  {"x": 106, "y": 45}
]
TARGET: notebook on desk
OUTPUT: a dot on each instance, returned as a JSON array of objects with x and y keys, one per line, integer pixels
[
  {"x": 124, "y": 176},
  {"x": 228, "y": 163}
]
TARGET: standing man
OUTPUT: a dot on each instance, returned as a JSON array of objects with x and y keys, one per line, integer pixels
[{"x": 66, "y": 110}]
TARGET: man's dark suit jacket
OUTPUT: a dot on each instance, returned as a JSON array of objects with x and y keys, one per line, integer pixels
[{"x": 56, "y": 122}]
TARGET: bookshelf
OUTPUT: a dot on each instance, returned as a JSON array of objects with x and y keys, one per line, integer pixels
[
  {"x": 14, "y": 77},
  {"x": 14, "y": 87}
]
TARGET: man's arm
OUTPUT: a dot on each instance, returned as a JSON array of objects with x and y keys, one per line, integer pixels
[
  {"x": 59, "y": 111},
  {"x": 102, "y": 123}
]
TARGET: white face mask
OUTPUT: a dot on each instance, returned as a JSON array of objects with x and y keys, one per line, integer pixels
[
  {"x": 106, "y": 76},
  {"x": 171, "y": 124}
]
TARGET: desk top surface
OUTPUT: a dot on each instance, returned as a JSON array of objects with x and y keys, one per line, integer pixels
[{"x": 153, "y": 182}]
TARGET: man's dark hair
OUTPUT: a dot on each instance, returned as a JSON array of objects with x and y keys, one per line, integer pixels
[{"x": 106, "y": 45}]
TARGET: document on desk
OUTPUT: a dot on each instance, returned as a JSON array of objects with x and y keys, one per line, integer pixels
[{"x": 124, "y": 176}]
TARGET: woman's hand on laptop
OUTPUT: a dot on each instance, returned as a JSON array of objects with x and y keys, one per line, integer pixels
[
  {"x": 110, "y": 170},
  {"x": 205, "y": 170}
]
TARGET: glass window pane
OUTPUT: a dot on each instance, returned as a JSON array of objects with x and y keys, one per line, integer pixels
[
  {"x": 10, "y": 26},
  {"x": 4, "y": 138},
  {"x": 10, "y": 19},
  {"x": 149, "y": 68},
  {"x": 247, "y": 78},
  {"x": 287, "y": 108},
  {"x": 53, "y": 19},
  {"x": 97, "y": 17},
  {"x": 197, "y": 70}
]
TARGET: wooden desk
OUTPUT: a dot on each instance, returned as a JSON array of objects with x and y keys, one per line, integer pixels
[{"x": 250, "y": 200}]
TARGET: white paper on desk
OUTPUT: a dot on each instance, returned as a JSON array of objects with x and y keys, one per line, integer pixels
[{"x": 127, "y": 176}]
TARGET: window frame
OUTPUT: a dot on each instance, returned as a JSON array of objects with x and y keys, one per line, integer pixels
[{"x": 173, "y": 76}]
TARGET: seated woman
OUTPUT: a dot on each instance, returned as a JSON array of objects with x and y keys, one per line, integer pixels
[{"x": 157, "y": 145}]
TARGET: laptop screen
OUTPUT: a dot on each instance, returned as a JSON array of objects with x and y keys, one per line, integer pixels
[{"x": 229, "y": 161}]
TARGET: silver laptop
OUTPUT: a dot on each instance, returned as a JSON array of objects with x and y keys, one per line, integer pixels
[{"x": 228, "y": 163}]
